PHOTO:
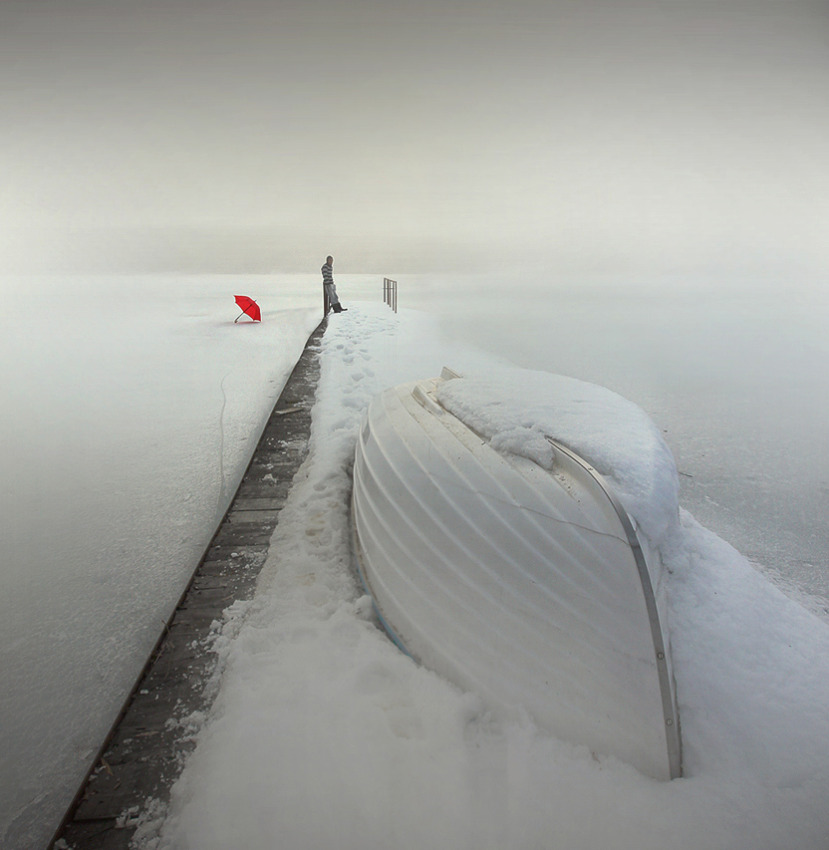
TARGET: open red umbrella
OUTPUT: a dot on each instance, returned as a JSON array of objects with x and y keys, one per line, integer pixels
[{"x": 249, "y": 307}]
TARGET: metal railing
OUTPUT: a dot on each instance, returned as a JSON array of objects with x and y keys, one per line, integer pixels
[{"x": 390, "y": 293}]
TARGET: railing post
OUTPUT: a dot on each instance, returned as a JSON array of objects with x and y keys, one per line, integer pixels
[{"x": 390, "y": 293}]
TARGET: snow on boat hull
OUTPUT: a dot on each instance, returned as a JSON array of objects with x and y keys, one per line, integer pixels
[{"x": 527, "y": 586}]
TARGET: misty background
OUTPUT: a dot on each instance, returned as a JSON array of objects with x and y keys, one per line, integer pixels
[
  {"x": 413, "y": 136},
  {"x": 641, "y": 189}
]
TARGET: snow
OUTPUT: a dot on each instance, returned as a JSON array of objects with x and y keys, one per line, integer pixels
[
  {"x": 131, "y": 406},
  {"x": 128, "y": 419},
  {"x": 516, "y": 410},
  {"x": 323, "y": 734}
]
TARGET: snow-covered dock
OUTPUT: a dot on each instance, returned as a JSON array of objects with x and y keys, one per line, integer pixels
[{"x": 145, "y": 751}]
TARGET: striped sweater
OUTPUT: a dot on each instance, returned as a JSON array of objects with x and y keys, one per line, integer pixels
[{"x": 327, "y": 274}]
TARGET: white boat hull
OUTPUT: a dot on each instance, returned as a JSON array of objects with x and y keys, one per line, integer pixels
[{"x": 527, "y": 586}]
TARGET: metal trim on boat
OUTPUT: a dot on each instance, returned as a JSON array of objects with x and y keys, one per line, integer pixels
[{"x": 661, "y": 655}]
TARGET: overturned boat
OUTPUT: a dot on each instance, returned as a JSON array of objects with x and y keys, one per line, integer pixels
[{"x": 527, "y": 585}]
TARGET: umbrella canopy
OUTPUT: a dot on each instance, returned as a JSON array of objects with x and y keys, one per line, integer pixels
[{"x": 249, "y": 307}]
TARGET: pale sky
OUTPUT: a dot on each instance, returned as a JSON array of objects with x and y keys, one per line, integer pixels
[{"x": 412, "y": 134}]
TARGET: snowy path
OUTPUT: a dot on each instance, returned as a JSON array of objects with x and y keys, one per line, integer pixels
[{"x": 324, "y": 735}]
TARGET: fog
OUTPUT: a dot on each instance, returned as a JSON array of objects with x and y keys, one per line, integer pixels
[
  {"x": 414, "y": 136},
  {"x": 537, "y": 142}
]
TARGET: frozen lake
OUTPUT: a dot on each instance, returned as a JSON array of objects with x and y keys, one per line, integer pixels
[
  {"x": 133, "y": 405},
  {"x": 130, "y": 408}
]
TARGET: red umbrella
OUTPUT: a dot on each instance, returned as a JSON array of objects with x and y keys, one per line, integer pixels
[{"x": 248, "y": 306}]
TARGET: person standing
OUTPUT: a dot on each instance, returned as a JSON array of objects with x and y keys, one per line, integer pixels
[{"x": 329, "y": 287}]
